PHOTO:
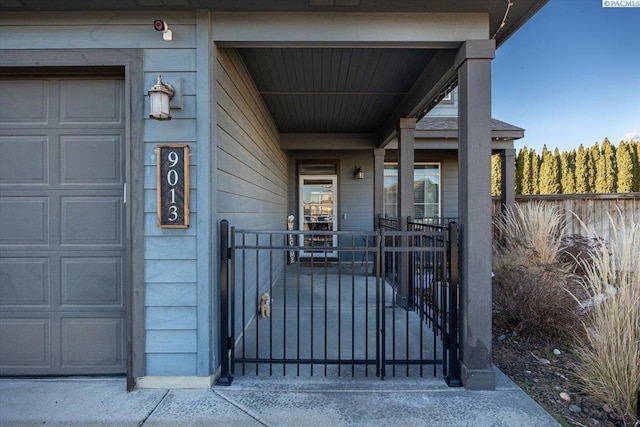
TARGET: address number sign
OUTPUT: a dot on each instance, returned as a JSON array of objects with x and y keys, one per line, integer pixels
[{"x": 173, "y": 186}]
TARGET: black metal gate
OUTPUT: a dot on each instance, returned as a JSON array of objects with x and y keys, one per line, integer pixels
[{"x": 378, "y": 303}]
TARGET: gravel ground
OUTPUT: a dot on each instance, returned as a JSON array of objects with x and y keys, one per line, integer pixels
[{"x": 544, "y": 370}]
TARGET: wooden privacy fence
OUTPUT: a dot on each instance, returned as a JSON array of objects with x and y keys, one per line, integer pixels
[{"x": 592, "y": 209}]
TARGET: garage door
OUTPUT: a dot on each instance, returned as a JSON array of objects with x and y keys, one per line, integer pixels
[{"x": 62, "y": 234}]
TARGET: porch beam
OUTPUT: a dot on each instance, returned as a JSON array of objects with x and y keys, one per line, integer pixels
[
  {"x": 473, "y": 63},
  {"x": 435, "y": 78},
  {"x": 328, "y": 141},
  {"x": 331, "y": 29},
  {"x": 426, "y": 143}
]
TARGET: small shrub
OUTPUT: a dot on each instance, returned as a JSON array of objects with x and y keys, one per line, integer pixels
[
  {"x": 576, "y": 251},
  {"x": 532, "y": 300},
  {"x": 575, "y": 255},
  {"x": 609, "y": 352}
]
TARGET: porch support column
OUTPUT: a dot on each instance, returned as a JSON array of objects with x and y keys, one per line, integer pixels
[
  {"x": 406, "y": 155},
  {"x": 508, "y": 168},
  {"x": 473, "y": 63},
  {"x": 378, "y": 185}
]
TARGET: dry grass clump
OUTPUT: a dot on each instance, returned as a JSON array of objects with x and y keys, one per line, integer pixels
[
  {"x": 530, "y": 287},
  {"x": 610, "y": 351},
  {"x": 535, "y": 228}
]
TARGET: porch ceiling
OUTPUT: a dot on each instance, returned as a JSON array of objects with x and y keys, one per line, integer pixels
[{"x": 334, "y": 90}]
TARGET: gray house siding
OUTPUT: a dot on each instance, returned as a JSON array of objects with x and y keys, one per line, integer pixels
[
  {"x": 251, "y": 169},
  {"x": 355, "y": 197},
  {"x": 449, "y": 177},
  {"x": 170, "y": 255},
  {"x": 250, "y": 166},
  {"x": 171, "y": 278}
]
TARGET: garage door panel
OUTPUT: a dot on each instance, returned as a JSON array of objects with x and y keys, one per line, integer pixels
[
  {"x": 93, "y": 221},
  {"x": 92, "y": 281},
  {"x": 62, "y": 231},
  {"x": 24, "y": 159},
  {"x": 78, "y": 101},
  {"x": 25, "y": 221},
  {"x": 34, "y": 101},
  {"x": 25, "y": 342},
  {"x": 91, "y": 159},
  {"x": 92, "y": 343},
  {"x": 24, "y": 282}
]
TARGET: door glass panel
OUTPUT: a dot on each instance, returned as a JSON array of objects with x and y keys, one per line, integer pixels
[{"x": 318, "y": 212}]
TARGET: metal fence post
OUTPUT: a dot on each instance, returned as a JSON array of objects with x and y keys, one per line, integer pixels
[
  {"x": 226, "y": 340},
  {"x": 453, "y": 376},
  {"x": 380, "y": 305}
]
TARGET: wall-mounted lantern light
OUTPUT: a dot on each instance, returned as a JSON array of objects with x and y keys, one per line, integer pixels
[
  {"x": 359, "y": 173},
  {"x": 160, "y": 96}
]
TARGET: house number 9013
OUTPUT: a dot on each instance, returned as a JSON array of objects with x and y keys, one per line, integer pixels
[{"x": 173, "y": 186}]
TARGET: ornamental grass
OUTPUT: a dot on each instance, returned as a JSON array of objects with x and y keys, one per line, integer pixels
[{"x": 609, "y": 351}]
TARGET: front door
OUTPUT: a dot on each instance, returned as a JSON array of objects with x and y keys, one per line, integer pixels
[{"x": 318, "y": 212}]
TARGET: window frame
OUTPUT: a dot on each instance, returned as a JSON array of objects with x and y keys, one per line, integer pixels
[{"x": 392, "y": 212}]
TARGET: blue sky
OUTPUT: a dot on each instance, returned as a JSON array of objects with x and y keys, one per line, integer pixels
[{"x": 571, "y": 76}]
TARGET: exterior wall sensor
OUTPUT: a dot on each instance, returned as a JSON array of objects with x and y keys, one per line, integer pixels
[{"x": 160, "y": 25}]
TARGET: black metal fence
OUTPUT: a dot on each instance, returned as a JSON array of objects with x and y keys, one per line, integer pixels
[
  {"x": 332, "y": 311},
  {"x": 427, "y": 278}
]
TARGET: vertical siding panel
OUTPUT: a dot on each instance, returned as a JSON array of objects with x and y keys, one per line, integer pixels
[
  {"x": 630, "y": 211},
  {"x": 596, "y": 210},
  {"x": 579, "y": 205},
  {"x": 604, "y": 217},
  {"x": 571, "y": 212},
  {"x": 566, "y": 212},
  {"x": 591, "y": 216},
  {"x": 582, "y": 215},
  {"x": 613, "y": 213}
]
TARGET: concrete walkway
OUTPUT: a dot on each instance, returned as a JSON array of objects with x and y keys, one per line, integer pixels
[
  {"x": 267, "y": 401},
  {"x": 338, "y": 399}
]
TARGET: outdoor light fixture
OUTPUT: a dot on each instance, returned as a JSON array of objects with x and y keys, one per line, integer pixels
[
  {"x": 159, "y": 98},
  {"x": 359, "y": 173}
]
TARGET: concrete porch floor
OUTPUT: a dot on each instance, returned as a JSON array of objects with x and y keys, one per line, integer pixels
[{"x": 328, "y": 314}]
